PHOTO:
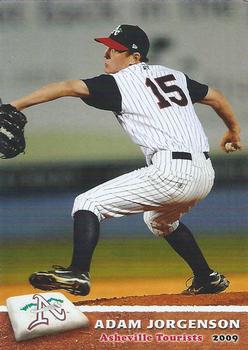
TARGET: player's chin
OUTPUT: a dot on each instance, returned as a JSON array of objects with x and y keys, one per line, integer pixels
[{"x": 108, "y": 69}]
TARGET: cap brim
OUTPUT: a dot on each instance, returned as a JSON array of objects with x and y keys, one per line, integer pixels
[{"x": 112, "y": 44}]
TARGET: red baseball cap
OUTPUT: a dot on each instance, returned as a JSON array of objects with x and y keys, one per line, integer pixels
[{"x": 127, "y": 37}]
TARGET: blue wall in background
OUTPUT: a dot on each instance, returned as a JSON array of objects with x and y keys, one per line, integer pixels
[{"x": 38, "y": 216}]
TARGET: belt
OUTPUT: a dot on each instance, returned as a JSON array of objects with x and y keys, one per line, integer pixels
[{"x": 186, "y": 155}]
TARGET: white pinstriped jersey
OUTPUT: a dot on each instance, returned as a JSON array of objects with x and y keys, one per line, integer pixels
[
  {"x": 157, "y": 111},
  {"x": 154, "y": 104}
]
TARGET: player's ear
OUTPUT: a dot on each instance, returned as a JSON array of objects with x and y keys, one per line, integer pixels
[{"x": 135, "y": 57}]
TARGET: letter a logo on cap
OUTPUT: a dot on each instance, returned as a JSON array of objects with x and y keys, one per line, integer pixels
[{"x": 117, "y": 30}]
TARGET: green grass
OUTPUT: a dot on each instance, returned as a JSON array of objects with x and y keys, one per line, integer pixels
[
  {"x": 122, "y": 257},
  {"x": 80, "y": 145},
  {"x": 73, "y": 146}
]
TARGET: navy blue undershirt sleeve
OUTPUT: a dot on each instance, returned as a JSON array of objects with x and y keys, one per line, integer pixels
[
  {"x": 197, "y": 91},
  {"x": 104, "y": 93}
]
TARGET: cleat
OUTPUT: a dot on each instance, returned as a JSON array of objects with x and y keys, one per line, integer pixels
[
  {"x": 216, "y": 283},
  {"x": 61, "y": 278}
]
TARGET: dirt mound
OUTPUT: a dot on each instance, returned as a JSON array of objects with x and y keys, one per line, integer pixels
[
  {"x": 97, "y": 338},
  {"x": 174, "y": 299}
]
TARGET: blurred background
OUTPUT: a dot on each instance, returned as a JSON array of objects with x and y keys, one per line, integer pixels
[{"x": 72, "y": 147}]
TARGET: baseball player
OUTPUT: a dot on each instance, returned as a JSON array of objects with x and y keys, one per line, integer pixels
[{"x": 155, "y": 106}]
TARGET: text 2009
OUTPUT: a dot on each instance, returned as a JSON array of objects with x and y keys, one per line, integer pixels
[{"x": 225, "y": 338}]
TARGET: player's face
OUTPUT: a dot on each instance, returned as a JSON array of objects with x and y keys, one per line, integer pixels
[{"x": 116, "y": 60}]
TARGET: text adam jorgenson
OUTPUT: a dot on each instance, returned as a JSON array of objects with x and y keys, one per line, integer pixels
[{"x": 168, "y": 324}]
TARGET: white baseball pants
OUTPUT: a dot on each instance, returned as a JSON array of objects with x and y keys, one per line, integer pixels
[{"x": 164, "y": 191}]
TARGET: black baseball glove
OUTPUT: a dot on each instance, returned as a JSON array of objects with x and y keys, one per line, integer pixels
[{"x": 12, "y": 122}]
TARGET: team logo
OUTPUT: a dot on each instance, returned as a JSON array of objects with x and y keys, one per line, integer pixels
[
  {"x": 117, "y": 30},
  {"x": 134, "y": 46},
  {"x": 52, "y": 305}
]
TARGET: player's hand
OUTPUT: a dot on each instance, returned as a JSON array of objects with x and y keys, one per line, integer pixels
[{"x": 231, "y": 141}]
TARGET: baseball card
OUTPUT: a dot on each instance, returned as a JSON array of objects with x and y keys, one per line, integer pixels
[{"x": 123, "y": 177}]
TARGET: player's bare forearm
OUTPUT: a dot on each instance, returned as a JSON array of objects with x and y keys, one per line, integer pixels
[
  {"x": 223, "y": 108},
  {"x": 50, "y": 92}
]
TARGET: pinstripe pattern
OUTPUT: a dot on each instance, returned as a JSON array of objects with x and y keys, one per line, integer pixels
[
  {"x": 174, "y": 128},
  {"x": 164, "y": 190}
]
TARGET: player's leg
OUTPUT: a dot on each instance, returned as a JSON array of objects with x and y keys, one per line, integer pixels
[
  {"x": 205, "y": 279},
  {"x": 75, "y": 278},
  {"x": 184, "y": 243},
  {"x": 180, "y": 238},
  {"x": 86, "y": 231},
  {"x": 155, "y": 187},
  {"x": 135, "y": 192},
  {"x": 120, "y": 196}
]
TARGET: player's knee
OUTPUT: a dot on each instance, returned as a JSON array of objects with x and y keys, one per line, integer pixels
[
  {"x": 151, "y": 224},
  {"x": 158, "y": 227},
  {"x": 84, "y": 202}
]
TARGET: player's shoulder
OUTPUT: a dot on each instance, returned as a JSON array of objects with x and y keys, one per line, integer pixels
[
  {"x": 165, "y": 70},
  {"x": 144, "y": 68}
]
